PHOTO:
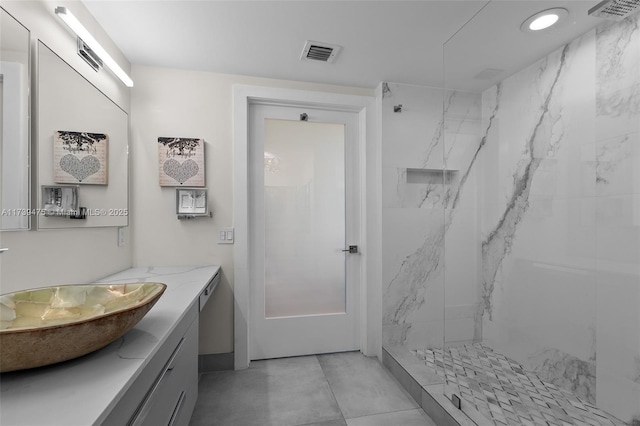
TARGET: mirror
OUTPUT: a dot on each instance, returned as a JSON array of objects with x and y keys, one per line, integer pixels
[
  {"x": 14, "y": 123},
  {"x": 83, "y": 140}
]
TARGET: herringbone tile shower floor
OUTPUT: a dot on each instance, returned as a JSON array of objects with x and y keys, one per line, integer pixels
[{"x": 505, "y": 393}]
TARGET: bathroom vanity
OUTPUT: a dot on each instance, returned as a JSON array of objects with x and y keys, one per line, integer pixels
[{"x": 147, "y": 377}]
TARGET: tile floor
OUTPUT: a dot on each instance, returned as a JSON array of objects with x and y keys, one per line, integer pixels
[
  {"x": 505, "y": 393},
  {"x": 344, "y": 389}
]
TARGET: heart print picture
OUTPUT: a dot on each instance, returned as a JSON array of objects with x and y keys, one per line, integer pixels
[
  {"x": 80, "y": 157},
  {"x": 181, "y": 161}
]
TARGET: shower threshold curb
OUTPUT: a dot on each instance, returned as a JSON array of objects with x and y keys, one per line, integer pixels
[{"x": 426, "y": 388}]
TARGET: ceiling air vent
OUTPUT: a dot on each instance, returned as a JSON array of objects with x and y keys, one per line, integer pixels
[
  {"x": 488, "y": 74},
  {"x": 324, "y": 52},
  {"x": 615, "y": 9}
]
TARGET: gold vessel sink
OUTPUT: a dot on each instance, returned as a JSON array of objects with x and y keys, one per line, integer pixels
[{"x": 48, "y": 325}]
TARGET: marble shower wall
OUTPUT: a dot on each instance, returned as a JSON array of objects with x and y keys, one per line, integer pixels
[
  {"x": 559, "y": 196},
  {"x": 429, "y": 199}
]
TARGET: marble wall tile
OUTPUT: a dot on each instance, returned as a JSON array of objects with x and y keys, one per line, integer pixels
[
  {"x": 463, "y": 266},
  {"x": 618, "y": 233},
  {"x": 531, "y": 125},
  {"x": 618, "y": 343},
  {"x": 532, "y": 242},
  {"x": 460, "y": 321},
  {"x": 416, "y": 217},
  {"x": 412, "y": 138},
  {"x": 544, "y": 305},
  {"x": 414, "y": 335},
  {"x": 559, "y": 183},
  {"x": 537, "y": 288},
  {"x": 462, "y": 128},
  {"x": 464, "y": 140},
  {"x": 618, "y": 165},
  {"x": 618, "y": 78},
  {"x": 415, "y": 293},
  {"x": 618, "y": 307},
  {"x": 618, "y": 218},
  {"x": 407, "y": 142},
  {"x": 404, "y": 232},
  {"x": 566, "y": 371},
  {"x": 413, "y": 188}
]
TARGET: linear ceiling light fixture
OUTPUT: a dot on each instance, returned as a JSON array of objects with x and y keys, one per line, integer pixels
[{"x": 91, "y": 42}]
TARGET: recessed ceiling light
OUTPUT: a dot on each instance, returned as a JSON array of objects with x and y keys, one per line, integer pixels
[{"x": 544, "y": 19}]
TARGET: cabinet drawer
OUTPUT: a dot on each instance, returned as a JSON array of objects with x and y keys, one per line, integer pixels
[{"x": 172, "y": 397}]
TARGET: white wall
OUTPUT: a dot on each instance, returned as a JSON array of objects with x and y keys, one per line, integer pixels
[
  {"x": 69, "y": 256},
  {"x": 163, "y": 102},
  {"x": 173, "y": 102}
]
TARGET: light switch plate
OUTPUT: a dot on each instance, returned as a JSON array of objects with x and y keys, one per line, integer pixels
[{"x": 226, "y": 236}]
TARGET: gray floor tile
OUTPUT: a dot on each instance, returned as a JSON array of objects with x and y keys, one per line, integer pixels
[
  {"x": 415, "y": 417},
  {"x": 362, "y": 386},
  {"x": 280, "y": 392},
  {"x": 340, "y": 422}
]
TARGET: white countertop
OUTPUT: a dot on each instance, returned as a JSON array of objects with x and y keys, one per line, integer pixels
[{"x": 83, "y": 391}]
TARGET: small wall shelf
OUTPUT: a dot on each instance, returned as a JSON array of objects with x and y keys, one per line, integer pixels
[
  {"x": 194, "y": 216},
  {"x": 191, "y": 203},
  {"x": 430, "y": 176},
  {"x": 62, "y": 201}
]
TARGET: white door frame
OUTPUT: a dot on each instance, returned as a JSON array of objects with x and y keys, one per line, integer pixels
[{"x": 369, "y": 158}]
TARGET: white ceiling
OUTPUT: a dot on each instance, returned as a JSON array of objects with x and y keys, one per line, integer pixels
[{"x": 391, "y": 40}]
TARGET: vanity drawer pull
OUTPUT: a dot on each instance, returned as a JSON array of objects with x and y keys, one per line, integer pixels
[
  {"x": 176, "y": 410},
  {"x": 172, "y": 360}
]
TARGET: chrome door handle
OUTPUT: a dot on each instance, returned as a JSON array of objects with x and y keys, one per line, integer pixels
[
  {"x": 2, "y": 250},
  {"x": 351, "y": 249}
]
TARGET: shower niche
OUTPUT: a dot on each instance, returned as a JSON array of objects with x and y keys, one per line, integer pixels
[{"x": 430, "y": 176}]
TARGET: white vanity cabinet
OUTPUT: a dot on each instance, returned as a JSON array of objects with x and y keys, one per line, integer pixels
[
  {"x": 173, "y": 398},
  {"x": 147, "y": 377},
  {"x": 166, "y": 392}
]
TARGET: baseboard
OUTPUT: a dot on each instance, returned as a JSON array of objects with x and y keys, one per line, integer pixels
[{"x": 208, "y": 363}]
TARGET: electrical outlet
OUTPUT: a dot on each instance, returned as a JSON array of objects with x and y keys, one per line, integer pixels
[{"x": 120, "y": 237}]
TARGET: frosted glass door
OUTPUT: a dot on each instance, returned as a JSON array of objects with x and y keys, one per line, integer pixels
[
  {"x": 304, "y": 197},
  {"x": 304, "y": 213}
]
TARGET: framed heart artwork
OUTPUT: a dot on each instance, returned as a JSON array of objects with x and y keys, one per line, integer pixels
[
  {"x": 80, "y": 157},
  {"x": 181, "y": 161}
]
